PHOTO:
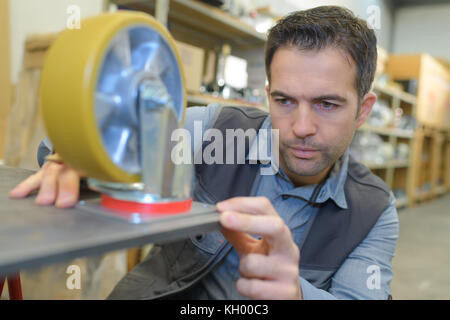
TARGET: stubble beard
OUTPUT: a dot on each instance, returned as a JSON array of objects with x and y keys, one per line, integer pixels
[{"x": 326, "y": 158}]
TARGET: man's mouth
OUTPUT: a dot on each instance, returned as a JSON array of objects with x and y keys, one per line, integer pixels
[{"x": 303, "y": 153}]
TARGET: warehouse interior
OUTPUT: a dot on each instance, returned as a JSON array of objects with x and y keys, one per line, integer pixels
[{"x": 405, "y": 140}]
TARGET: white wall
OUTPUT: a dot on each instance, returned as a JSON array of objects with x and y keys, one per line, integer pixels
[
  {"x": 359, "y": 7},
  {"x": 42, "y": 16},
  {"x": 423, "y": 29},
  {"x": 32, "y": 16}
]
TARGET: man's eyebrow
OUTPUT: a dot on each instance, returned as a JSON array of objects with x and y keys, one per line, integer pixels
[
  {"x": 333, "y": 97},
  {"x": 281, "y": 94}
]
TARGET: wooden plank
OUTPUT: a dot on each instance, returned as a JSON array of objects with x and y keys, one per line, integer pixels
[
  {"x": 36, "y": 47},
  {"x": 387, "y": 165},
  {"x": 204, "y": 18},
  {"x": 404, "y": 66},
  {"x": 400, "y": 178},
  {"x": 396, "y": 132},
  {"x": 201, "y": 99},
  {"x": 133, "y": 258},
  {"x": 436, "y": 159},
  {"x": 447, "y": 163},
  {"x": 40, "y": 41},
  {"x": 5, "y": 74},
  {"x": 403, "y": 96},
  {"x": 416, "y": 160},
  {"x": 26, "y": 129},
  {"x": 426, "y": 158},
  {"x": 395, "y": 103},
  {"x": 433, "y": 86},
  {"x": 34, "y": 59},
  {"x": 390, "y": 171}
]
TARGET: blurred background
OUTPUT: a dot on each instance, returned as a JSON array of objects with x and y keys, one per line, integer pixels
[{"x": 405, "y": 141}]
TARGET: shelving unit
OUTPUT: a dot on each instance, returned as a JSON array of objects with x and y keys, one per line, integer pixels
[
  {"x": 396, "y": 174},
  {"x": 203, "y": 26},
  {"x": 431, "y": 174},
  {"x": 208, "y": 27},
  {"x": 387, "y": 165},
  {"x": 201, "y": 99},
  {"x": 6, "y": 88},
  {"x": 198, "y": 17},
  {"x": 446, "y": 164},
  {"x": 400, "y": 95},
  {"x": 387, "y": 131}
]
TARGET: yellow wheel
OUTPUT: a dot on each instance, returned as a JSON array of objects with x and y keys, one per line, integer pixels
[{"x": 89, "y": 91}]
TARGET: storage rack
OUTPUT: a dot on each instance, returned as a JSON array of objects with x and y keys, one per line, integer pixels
[
  {"x": 209, "y": 27},
  {"x": 199, "y": 17},
  {"x": 430, "y": 164},
  {"x": 204, "y": 26},
  {"x": 396, "y": 174},
  {"x": 431, "y": 173}
]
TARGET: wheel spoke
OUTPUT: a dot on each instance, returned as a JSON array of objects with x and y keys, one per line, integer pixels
[
  {"x": 106, "y": 107},
  {"x": 122, "y": 50}
]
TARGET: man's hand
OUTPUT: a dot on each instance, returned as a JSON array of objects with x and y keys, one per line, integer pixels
[
  {"x": 268, "y": 266},
  {"x": 57, "y": 183}
]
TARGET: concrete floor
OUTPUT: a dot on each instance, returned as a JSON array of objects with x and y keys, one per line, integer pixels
[{"x": 422, "y": 262}]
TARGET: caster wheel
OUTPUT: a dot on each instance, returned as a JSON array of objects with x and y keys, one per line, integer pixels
[{"x": 89, "y": 91}]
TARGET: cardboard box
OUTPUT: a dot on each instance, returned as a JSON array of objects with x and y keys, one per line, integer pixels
[
  {"x": 433, "y": 95},
  {"x": 382, "y": 60},
  {"x": 5, "y": 72},
  {"x": 192, "y": 60},
  {"x": 209, "y": 74}
]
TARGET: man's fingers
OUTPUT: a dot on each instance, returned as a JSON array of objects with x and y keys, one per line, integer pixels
[
  {"x": 68, "y": 188},
  {"x": 272, "y": 228},
  {"x": 48, "y": 191},
  {"x": 27, "y": 186},
  {"x": 267, "y": 289},
  {"x": 57, "y": 183},
  {"x": 267, "y": 267},
  {"x": 239, "y": 240},
  {"x": 244, "y": 243},
  {"x": 255, "y": 205},
  {"x": 259, "y": 225}
]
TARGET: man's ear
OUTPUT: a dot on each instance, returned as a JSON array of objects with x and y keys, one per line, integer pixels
[{"x": 366, "y": 106}]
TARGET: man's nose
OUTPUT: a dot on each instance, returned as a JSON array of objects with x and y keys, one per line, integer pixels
[{"x": 304, "y": 121}]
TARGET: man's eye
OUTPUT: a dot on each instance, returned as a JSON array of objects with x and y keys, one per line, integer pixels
[
  {"x": 327, "y": 105},
  {"x": 282, "y": 101}
]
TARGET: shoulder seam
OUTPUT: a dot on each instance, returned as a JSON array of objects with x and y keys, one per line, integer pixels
[
  {"x": 240, "y": 109},
  {"x": 367, "y": 184}
]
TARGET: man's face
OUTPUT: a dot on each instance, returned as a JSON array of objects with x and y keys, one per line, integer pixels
[{"x": 313, "y": 103}]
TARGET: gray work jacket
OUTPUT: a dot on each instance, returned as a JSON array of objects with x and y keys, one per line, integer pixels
[{"x": 171, "y": 269}]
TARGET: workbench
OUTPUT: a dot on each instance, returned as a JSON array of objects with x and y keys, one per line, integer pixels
[{"x": 33, "y": 236}]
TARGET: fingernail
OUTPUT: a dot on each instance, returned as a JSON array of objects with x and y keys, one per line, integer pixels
[
  {"x": 14, "y": 193},
  {"x": 222, "y": 205},
  {"x": 43, "y": 199},
  {"x": 64, "y": 201},
  {"x": 227, "y": 218},
  {"x": 41, "y": 202}
]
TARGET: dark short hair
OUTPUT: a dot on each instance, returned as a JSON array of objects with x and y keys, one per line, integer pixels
[{"x": 326, "y": 26}]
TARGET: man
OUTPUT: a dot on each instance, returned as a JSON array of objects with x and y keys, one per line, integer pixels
[{"x": 322, "y": 226}]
